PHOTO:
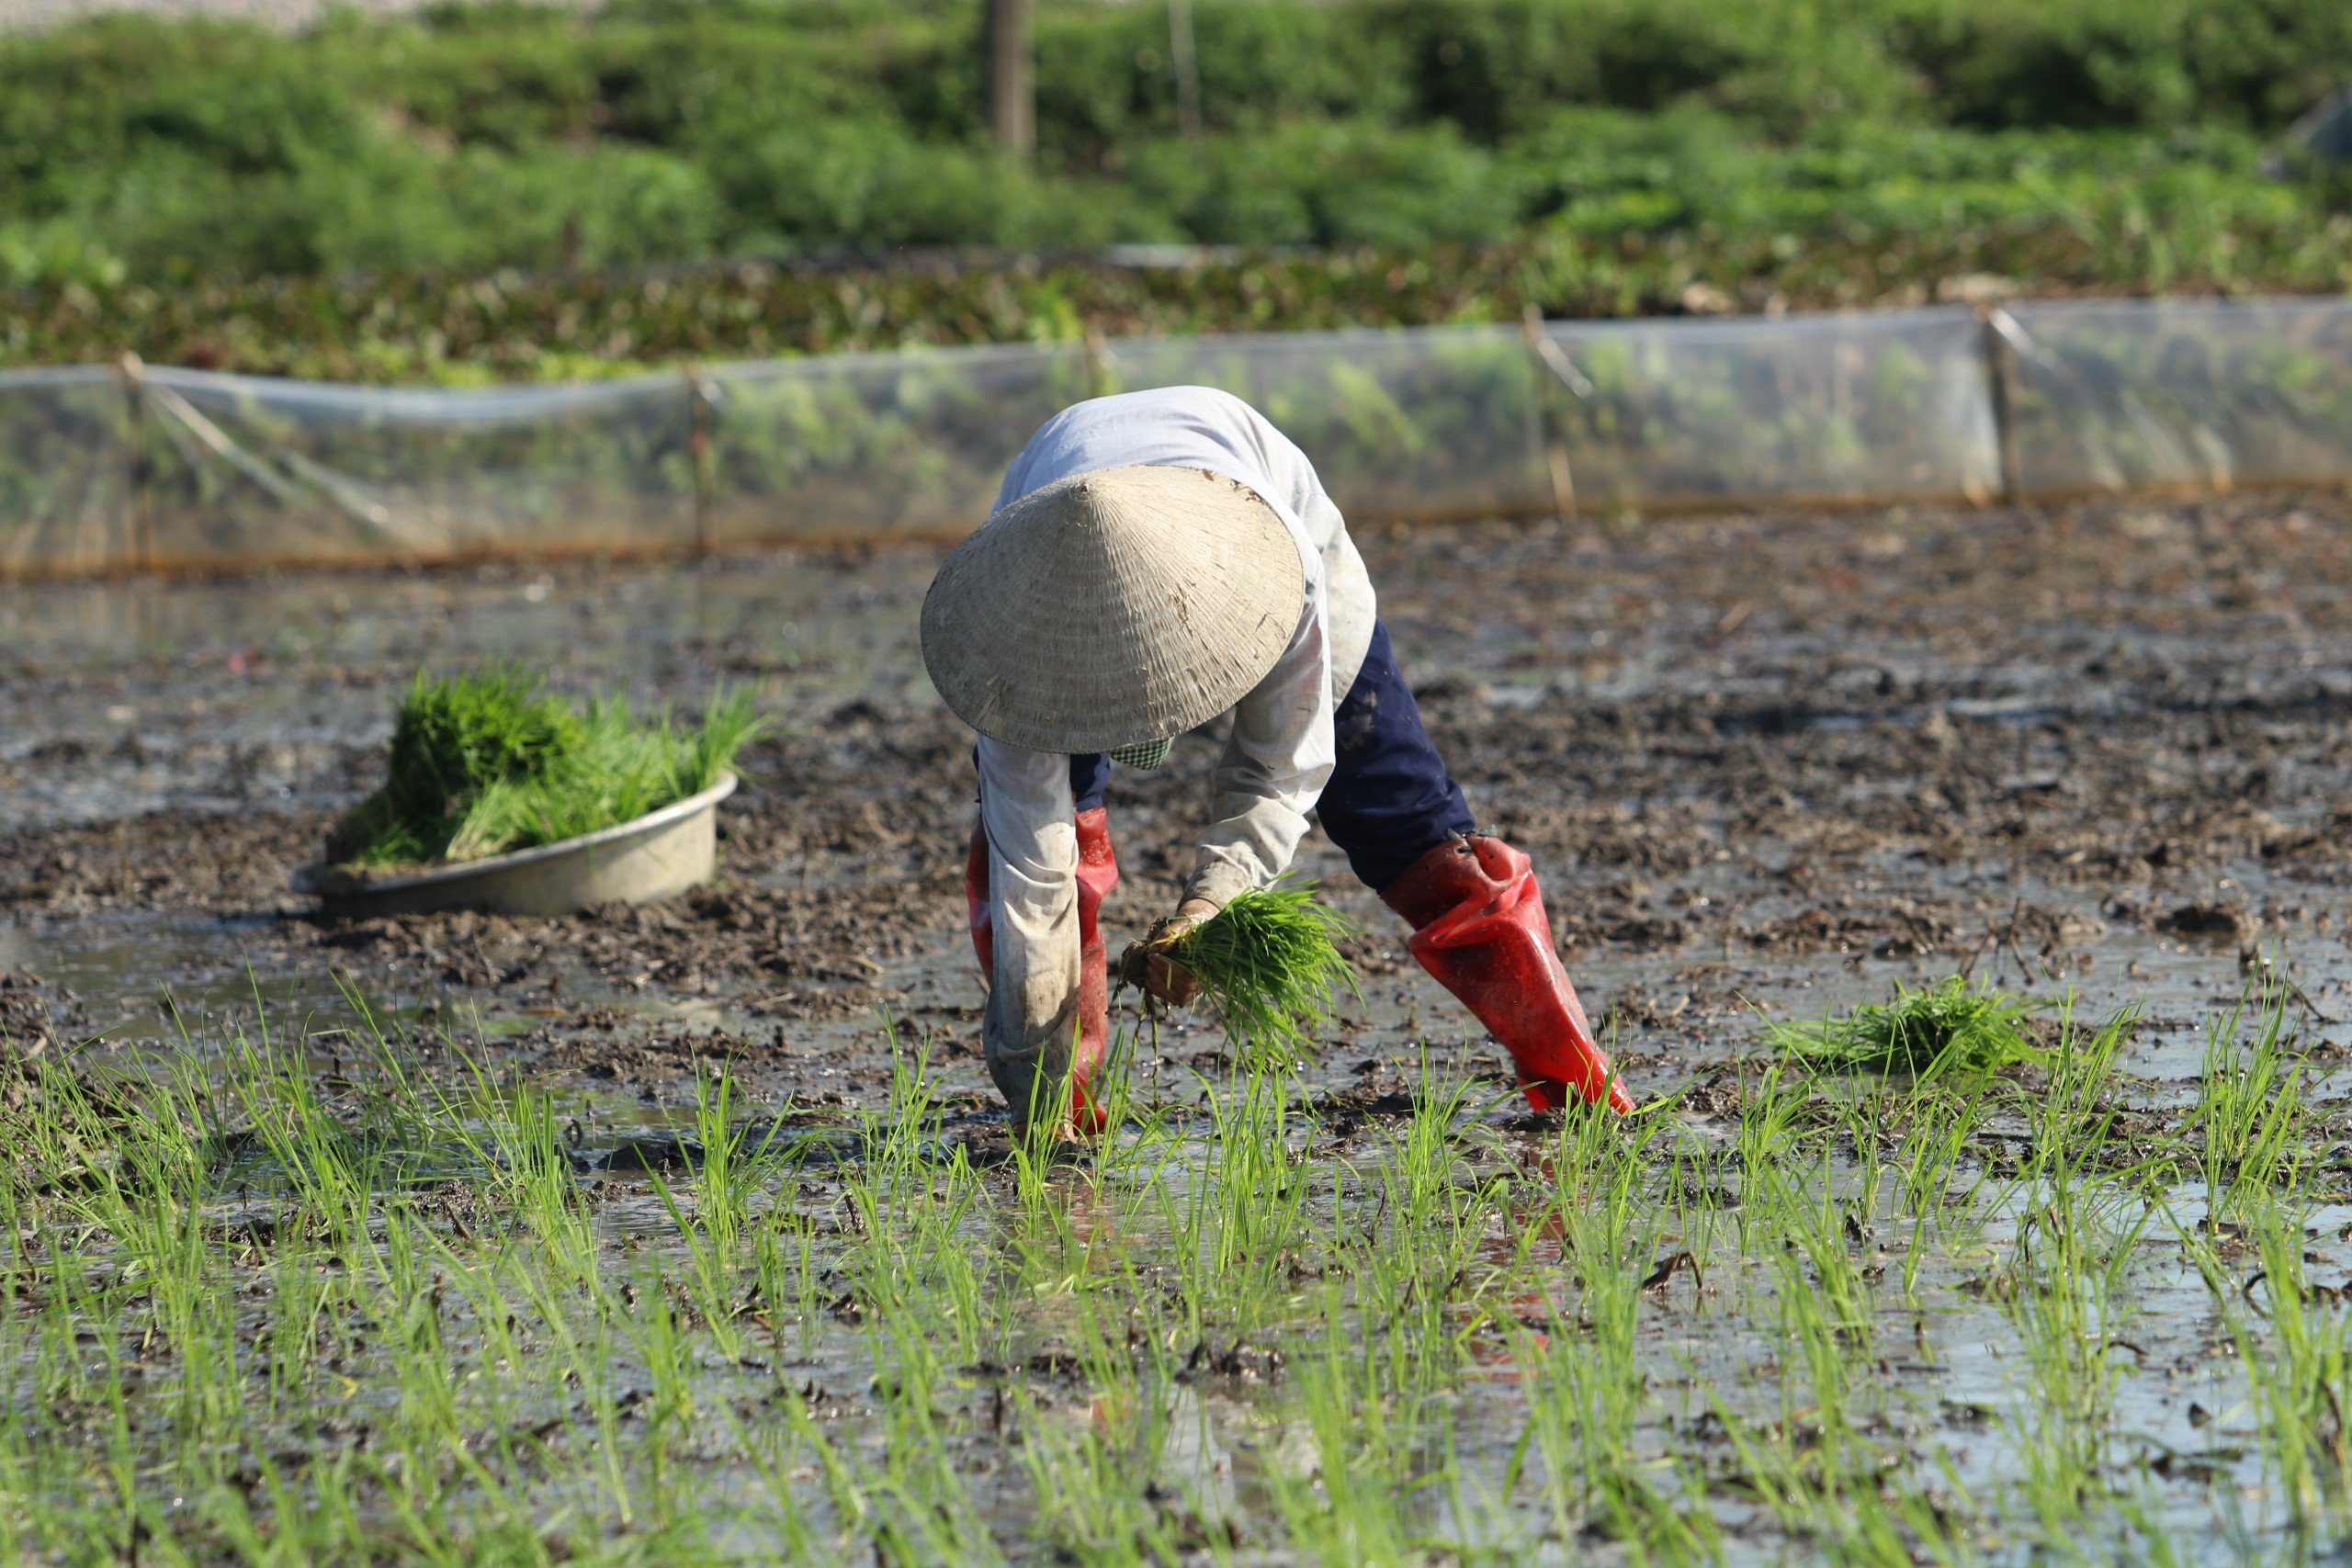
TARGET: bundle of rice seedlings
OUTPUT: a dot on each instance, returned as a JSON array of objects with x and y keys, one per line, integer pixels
[
  {"x": 1945, "y": 1028},
  {"x": 451, "y": 738},
  {"x": 1270, "y": 962},
  {"x": 484, "y": 764}
]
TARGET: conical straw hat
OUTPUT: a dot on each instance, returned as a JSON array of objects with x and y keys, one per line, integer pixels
[{"x": 1124, "y": 605}]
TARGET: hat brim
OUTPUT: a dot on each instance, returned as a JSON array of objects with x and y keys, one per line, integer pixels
[{"x": 1112, "y": 608}]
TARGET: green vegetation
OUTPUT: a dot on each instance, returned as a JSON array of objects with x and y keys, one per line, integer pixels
[
  {"x": 1270, "y": 962},
  {"x": 1586, "y": 156},
  {"x": 366, "y": 1297},
  {"x": 2253, "y": 1117},
  {"x": 1945, "y": 1028},
  {"x": 487, "y": 763}
]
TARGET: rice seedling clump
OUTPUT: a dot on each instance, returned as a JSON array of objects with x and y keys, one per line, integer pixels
[
  {"x": 1938, "y": 1029},
  {"x": 1270, "y": 960},
  {"x": 486, "y": 763}
]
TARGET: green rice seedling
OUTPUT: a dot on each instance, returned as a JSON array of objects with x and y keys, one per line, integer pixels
[
  {"x": 1094, "y": 1479},
  {"x": 2075, "y": 1110},
  {"x": 1271, "y": 963},
  {"x": 1096, "y": 1466},
  {"x": 730, "y": 1168},
  {"x": 666, "y": 1349},
  {"x": 1585, "y": 1391},
  {"x": 1368, "y": 1498},
  {"x": 1938, "y": 1119},
  {"x": 2077, "y": 1222},
  {"x": 1418, "y": 1285},
  {"x": 146, "y": 1190},
  {"x": 923, "y": 1497},
  {"x": 1941, "y": 1030},
  {"x": 2252, "y": 1111},
  {"x": 917, "y": 1292},
  {"x": 963, "y": 1276},
  {"x": 332, "y": 1172},
  {"x": 621, "y": 771},
  {"x": 487, "y": 763},
  {"x": 1940, "y": 1122},
  {"x": 898, "y": 1144},
  {"x": 164, "y": 1353},
  {"x": 1872, "y": 1114},
  {"x": 1817, "y": 1462},
  {"x": 576, "y": 1319},
  {"x": 2068, "y": 1303},
  {"x": 1813, "y": 1226},
  {"x": 1824, "y": 1315},
  {"x": 2145, "y": 1535},
  {"x": 784, "y": 1246},
  {"x": 779, "y": 1514},
  {"x": 1249, "y": 1209},
  {"x": 915, "y": 1202},
  {"x": 413, "y": 1337},
  {"x": 1429, "y": 1211},
  {"x": 2296, "y": 1351},
  {"x": 508, "y": 1386},
  {"x": 1765, "y": 1138},
  {"x": 1819, "y": 1466},
  {"x": 452, "y": 737},
  {"x": 515, "y": 1139},
  {"x": 1585, "y": 1386},
  {"x": 550, "y": 1267}
]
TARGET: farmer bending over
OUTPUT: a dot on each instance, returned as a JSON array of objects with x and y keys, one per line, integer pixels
[{"x": 1155, "y": 560}]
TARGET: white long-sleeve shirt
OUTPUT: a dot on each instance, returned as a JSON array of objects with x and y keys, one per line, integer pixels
[{"x": 1279, "y": 754}]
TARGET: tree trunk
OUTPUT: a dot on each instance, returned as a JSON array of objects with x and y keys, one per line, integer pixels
[
  {"x": 1012, "y": 84},
  {"x": 1186, "y": 60}
]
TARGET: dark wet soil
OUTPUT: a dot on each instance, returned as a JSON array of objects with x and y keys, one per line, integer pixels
[{"x": 1910, "y": 741}]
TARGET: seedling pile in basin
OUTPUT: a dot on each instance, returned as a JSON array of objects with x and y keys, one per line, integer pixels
[{"x": 487, "y": 763}]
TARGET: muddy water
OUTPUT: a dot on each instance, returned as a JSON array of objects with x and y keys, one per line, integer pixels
[
  {"x": 263, "y": 693},
  {"x": 1770, "y": 767}
]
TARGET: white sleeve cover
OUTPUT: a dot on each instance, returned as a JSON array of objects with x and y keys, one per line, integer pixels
[
  {"x": 1275, "y": 767},
  {"x": 1026, "y": 812}
]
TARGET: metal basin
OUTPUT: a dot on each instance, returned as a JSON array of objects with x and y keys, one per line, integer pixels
[{"x": 659, "y": 855}]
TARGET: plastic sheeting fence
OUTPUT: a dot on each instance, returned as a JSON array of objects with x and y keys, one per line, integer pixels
[{"x": 103, "y": 469}]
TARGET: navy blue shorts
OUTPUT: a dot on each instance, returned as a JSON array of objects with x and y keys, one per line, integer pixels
[{"x": 1390, "y": 800}]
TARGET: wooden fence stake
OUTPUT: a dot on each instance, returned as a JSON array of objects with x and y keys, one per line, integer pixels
[
  {"x": 139, "y": 501},
  {"x": 1549, "y": 384},
  {"x": 700, "y": 394},
  {"x": 2000, "y": 361}
]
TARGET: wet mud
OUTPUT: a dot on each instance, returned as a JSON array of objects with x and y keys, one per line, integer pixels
[{"x": 1927, "y": 740}]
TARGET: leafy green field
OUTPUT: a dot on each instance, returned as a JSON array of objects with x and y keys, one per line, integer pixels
[{"x": 523, "y": 193}]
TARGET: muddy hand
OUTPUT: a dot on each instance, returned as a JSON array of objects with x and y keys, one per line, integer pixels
[{"x": 1145, "y": 963}]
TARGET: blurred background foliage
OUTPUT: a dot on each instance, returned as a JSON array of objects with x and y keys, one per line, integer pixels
[{"x": 525, "y": 191}]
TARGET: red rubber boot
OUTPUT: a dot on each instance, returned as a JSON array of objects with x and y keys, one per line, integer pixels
[
  {"x": 1098, "y": 873},
  {"x": 1478, "y": 926}
]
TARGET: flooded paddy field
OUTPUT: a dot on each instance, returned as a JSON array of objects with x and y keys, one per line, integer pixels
[{"x": 694, "y": 1233}]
